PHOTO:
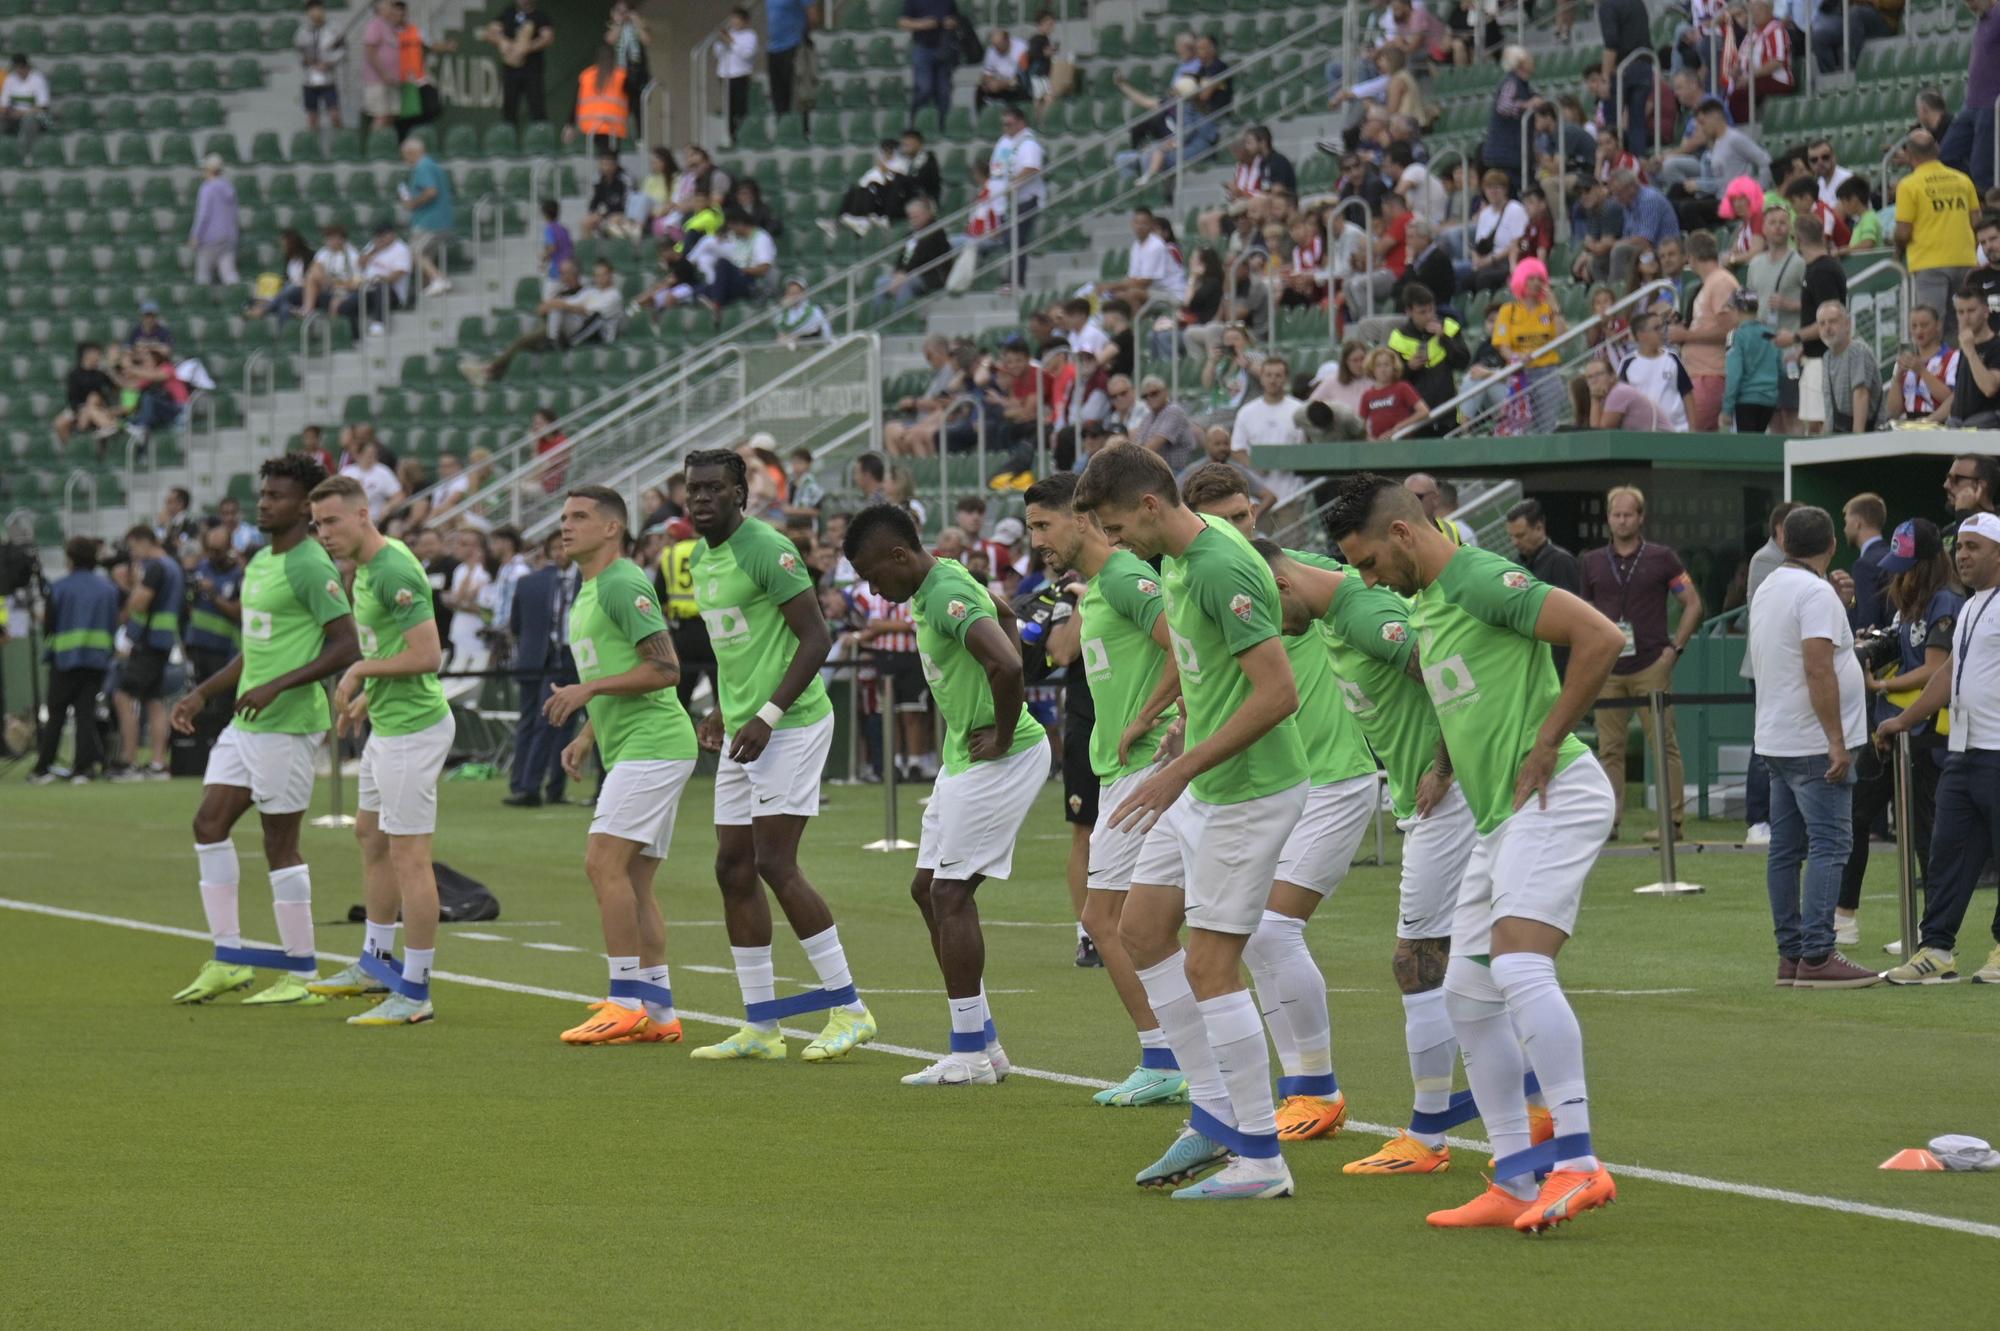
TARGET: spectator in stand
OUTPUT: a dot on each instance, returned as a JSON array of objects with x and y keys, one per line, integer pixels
[
  {"x": 735, "y": 51},
  {"x": 1271, "y": 417},
  {"x": 321, "y": 48},
  {"x": 312, "y": 443},
  {"x": 1153, "y": 265},
  {"x": 1969, "y": 146},
  {"x": 1512, "y": 102},
  {"x": 1727, "y": 154},
  {"x": 745, "y": 264},
  {"x": 922, "y": 266},
  {"x": 1528, "y": 529},
  {"x": 1935, "y": 206},
  {"x": 1975, "y": 399},
  {"x": 1624, "y": 28},
  {"x": 333, "y": 276},
  {"x": 1853, "y": 378},
  {"x": 162, "y": 395},
  {"x": 1003, "y": 71},
  {"x": 1390, "y": 402},
  {"x": 1615, "y": 404},
  {"x": 386, "y": 266},
  {"x": 933, "y": 29},
  {"x": 1777, "y": 273},
  {"x": 1167, "y": 429},
  {"x": 1597, "y": 229},
  {"x": 378, "y": 481},
  {"x": 873, "y": 199},
  {"x": 1496, "y": 238},
  {"x": 608, "y": 195},
  {"x": 1753, "y": 369},
  {"x": 24, "y": 103},
  {"x": 1015, "y": 167},
  {"x": 1825, "y": 280},
  {"x": 93, "y": 399},
  {"x": 1863, "y": 23},
  {"x": 1926, "y": 369},
  {"x": 1522, "y": 328},
  {"x": 913, "y": 433},
  {"x": 1431, "y": 345},
  {"x": 216, "y": 227},
  {"x": 627, "y": 33},
  {"x": 1649, "y": 222},
  {"x": 1854, "y": 205},
  {"x": 1763, "y": 62},
  {"x": 381, "y": 69},
  {"x": 1429, "y": 265},
  {"x": 1701, "y": 340},
  {"x": 523, "y": 35},
  {"x": 1659, "y": 374},
  {"x": 798, "y": 319},
  {"x": 604, "y": 104},
  {"x": 572, "y": 316},
  {"x": 426, "y": 196},
  {"x": 789, "y": 54},
  {"x": 297, "y": 261},
  {"x": 465, "y": 596}
]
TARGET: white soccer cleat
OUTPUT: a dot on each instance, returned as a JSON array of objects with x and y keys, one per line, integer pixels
[
  {"x": 1002, "y": 1065},
  {"x": 1241, "y": 1180},
  {"x": 956, "y": 1070}
]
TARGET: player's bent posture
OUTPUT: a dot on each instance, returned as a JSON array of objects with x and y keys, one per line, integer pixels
[
  {"x": 626, "y": 672},
  {"x": 1119, "y": 635},
  {"x": 297, "y": 631},
  {"x": 772, "y": 731},
  {"x": 394, "y": 689},
  {"x": 1542, "y": 807},
  {"x": 1219, "y": 815},
  {"x": 1340, "y": 803},
  {"x": 1374, "y": 655},
  {"x": 996, "y": 759}
]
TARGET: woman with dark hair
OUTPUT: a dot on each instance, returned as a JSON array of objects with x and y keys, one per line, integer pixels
[
  {"x": 1349, "y": 382},
  {"x": 1200, "y": 310},
  {"x": 1916, "y": 646},
  {"x": 749, "y": 196},
  {"x": 298, "y": 257}
]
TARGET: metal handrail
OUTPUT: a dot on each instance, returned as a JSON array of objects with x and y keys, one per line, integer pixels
[
  {"x": 1368, "y": 290},
  {"x": 1171, "y": 306},
  {"x": 1447, "y": 409},
  {"x": 255, "y": 359},
  {"x": 79, "y": 479},
  {"x": 1618, "y": 86},
  {"x": 944, "y": 454}
]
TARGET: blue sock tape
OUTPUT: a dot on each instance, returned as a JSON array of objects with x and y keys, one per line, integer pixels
[
  {"x": 1260, "y": 1147},
  {"x": 1162, "y": 1059},
  {"x": 812, "y": 1000},
  {"x": 646, "y": 993},
  {"x": 1529, "y": 1086},
  {"x": 1460, "y": 1110},
  {"x": 991, "y": 1036},
  {"x": 265, "y": 958},
  {"x": 389, "y": 973},
  {"x": 968, "y": 1042},
  {"x": 1322, "y": 1085},
  {"x": 1539, "y": 1160}
]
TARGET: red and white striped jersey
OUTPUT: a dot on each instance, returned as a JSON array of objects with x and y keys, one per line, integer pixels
[
  {"x": 873, "y": 605},
  {"x": 1917, "y": 399},
  {"x": 1771, "y": 42}
]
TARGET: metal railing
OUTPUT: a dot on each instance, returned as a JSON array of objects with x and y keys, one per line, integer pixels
[
  {"x": 79, "y": 519},
  {"x": 1618, "y": 91}
]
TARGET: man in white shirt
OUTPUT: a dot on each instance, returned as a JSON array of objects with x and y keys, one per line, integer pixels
[
  {"x": 1003, "y": 71},
  {"x": 1811, "y": 717},
  {"x": 334, "y": 275},
  {"x": 1828, "y": 174},
  {"x": 24, "y": 102},
  {"x": 573, "y": 315},
  {"x": 1268, "y": 419},
  {"x": 1967, "y": 823},
  {"x": 1015, "y": 167},
  {"x": 1658, "y": 373},
  {"x": 386, "y": 266},
  {"x": 735, "y": 49},
  {"x": 378, "y": 482},
  {"x": 746, "y": 260},
  {"x": 1152, "y": 267}
]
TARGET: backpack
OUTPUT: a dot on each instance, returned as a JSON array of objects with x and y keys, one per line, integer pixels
[{"x": 461, "y": 900}]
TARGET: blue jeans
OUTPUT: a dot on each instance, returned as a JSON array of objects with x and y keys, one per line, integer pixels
[
  {"x": 1022, "y": 216},
  {"x": 538, "y": 745},
  {"x": 930, "y": 80},
  {"x": 895, "y": 290},
  {"x": 1965, "y": 834},
  {"x": 1862, "y": 24},
  {"x": 1812, "y": 824}
]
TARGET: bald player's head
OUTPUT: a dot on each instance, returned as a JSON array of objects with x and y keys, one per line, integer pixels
[{"x": 1920, "y": 146}]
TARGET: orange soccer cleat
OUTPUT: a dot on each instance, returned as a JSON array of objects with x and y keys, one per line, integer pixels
[
  {"x": 1496, "y": 1208},
  {"x": 1403, "y": 1154},
  {"x": 1568, "y": 1193},
  {"x": 1304, "y": 1117},
  {"x": 654, "y": 1032},
  {"x": 608, "y": 1023}
]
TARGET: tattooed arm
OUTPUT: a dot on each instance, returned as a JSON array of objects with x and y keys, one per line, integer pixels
[{"x": 658, "y": 669}]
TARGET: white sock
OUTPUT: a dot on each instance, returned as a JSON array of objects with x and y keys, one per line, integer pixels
[
  {"x": 623, "y": 968},
  {"x": 1282, "y": 964},
  {"x": 991, "y": 1031},
  {"x": 1186, "y": 1034},
  {"x": 1081, "y": 933},
  {"x": 1493, "y": 1064},
  {"x": 417, "y": 964},
  {"x": 753, "y": 977},
  {"x": 381, "y": 940},
  {"x": 1551, "y": 1039},
  {"x": 1236, "y": 1034},
  {"x": 968, "y": 1026},
  {"x": 661, "y": 975},
  {"x": 1153, "y": 1039},
  {"x": 220, "y": 876},
  {"x": 1427, "y": 1034},
  {"x": 291, "y": 903},
  {"x": 829, "y": 962}
]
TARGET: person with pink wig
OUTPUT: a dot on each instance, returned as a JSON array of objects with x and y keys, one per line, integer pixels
[{"x": 1522, "y": 328}]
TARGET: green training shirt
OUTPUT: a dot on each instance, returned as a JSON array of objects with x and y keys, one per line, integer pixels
[
  {"x": 948, "y": 603},
  {"x": 288, "y": 600},
  {"x": 1368, "y": 633},
  {"x": 1121, "y": 660},
  {"x": 1221, "y": 602},
  {"x": 392, "y": 595},
  {"x": 614, "y": 612},
  {"x": 1336, "y": 749},
  {"x": 1490, "y": 679},
  {"x": 738, "y": 587}
]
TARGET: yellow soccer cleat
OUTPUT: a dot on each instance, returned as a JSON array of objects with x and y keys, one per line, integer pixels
[
  {"x": 749, "y": 1042},
  {"x": 288, "y": 990},
  {"x": 608, "y": 1023},
  {"x": 845, "y": 1032},
  {"x": 1305, "y": 1117},
  {"x": 1541, "y": 1125},
  {"x": 215, "y": 979},
  {"x": 1403, "y": 1154}
]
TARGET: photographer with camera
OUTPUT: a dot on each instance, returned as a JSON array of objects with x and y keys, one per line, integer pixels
[{"x": 78, "y": 622}]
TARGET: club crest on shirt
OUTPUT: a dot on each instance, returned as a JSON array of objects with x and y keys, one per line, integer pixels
[
  {"x": 643, "y": 604},
  {"x": 1517, "y": 580},
  {"x": 956, "y": 609},
  {"x": 788, "y": 562},
  {"x": 333, "y": 588},
  {"x": 1239, "y": 605},
  {"x": 1147, "y": 587},
  {"x": 1395, "y": 631},
  {"x": 403, "y": 598}
]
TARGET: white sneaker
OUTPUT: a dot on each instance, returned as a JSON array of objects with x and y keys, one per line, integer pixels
[
  {"x": 1242, "y": 1179},
  {"x": 956, "y": 1070},
  {"x": 376, "y": 330},
  {"x": 1847, "y": 932},
  {"x": 1894, "y": 947},
  {"x": 1758, "y": 835},
  {"x": 827, "y": 225},
  {"x": 439, "y": 287},
  {"x": 1002, "y": 1065},
  {"x": 858, "y": 225}
]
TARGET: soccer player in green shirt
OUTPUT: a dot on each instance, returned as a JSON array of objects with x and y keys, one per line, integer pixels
[
  {"x": 626, "y": 671},
  {"x": 1219, "y": 815},
  {"x": 996, "y": 760},
  {"x": 1373, "y": 653},
  {"x": 297, "y": 631},
  {"x": 1119, "y": 636},
  {"x": 1340, "y": 804},
  {"x": 1543, "y": 809},
  {"x": 394, "y": 690},
  {"x": 772, "y": 732}
]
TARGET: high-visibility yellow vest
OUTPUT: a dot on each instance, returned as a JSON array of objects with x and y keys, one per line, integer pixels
[{"x": 678, "y": 567}]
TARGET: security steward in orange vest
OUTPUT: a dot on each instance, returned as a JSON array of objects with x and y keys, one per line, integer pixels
[{"x": 603, "y": 104}]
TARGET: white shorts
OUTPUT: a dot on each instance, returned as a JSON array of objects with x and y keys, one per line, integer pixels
[
  {"x": 1114, "y": 854},
  {"x": 638, "y": 800},
  {"x": 1436, "y": 848},
  {"x": 1533, "y": 865},
  {"x": 1322, "y": 844},
  {"x": 783, "y": 779},
  {"x": 382, "y": 99},
  {"x": 1223, "y": 857},
  {"x": 974, "y": 816},
  {"x": 1812, "y": 390},
  {"x": 276, "y": 769},
  {"x": 399, "y": 778}
]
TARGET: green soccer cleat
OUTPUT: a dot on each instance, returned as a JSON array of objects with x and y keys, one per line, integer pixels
[
  {"x": 215, "y": 979},
  {"x": 395, "y": 1010},
  {"x": 749, "y": 1042},
  {"x": 350, "y": 981},
  {"x": 1147, "y": 1086},
  {"x": 1191, "y": 1154},
  {"x": 288, "y": 990},
  {"x": 846, "y": 1031}
]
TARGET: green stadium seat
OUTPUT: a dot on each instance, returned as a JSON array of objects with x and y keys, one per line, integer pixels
[
  {"x": 133, "y": 150},
  {"x": 177, "y": 150},
  {"x": 461, "y": 141},
  {"x": 200, "y": 76},
  {"x": 502, "y": 141},
  {"x": 89, "y": 151},
  {"x": 223, "y": 146},
  {"x": 161, "y": 114},
  {"x": 539, "y": 137}
]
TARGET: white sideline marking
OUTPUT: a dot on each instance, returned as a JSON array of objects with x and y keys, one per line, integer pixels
[
  {"x": 1698, "y": 1182},
  {"x": 479, "y": 938},
  {"x": 552, "y": 947},
  {"x": 938, "y": 993},
  {"x": 1630, "y": 993}
]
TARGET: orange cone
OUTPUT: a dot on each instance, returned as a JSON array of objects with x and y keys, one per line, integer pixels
[{"x": 1913, "y": 1159}]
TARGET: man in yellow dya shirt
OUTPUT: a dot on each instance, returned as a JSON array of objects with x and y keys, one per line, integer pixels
[{"x": 1935, "y": 206}]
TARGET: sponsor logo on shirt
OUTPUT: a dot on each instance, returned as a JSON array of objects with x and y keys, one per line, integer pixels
[
  {"x": 1395, "y": 631},
  {"x": 1239, "y": 605},
  {"x": 1450, "y": 684},
  {"x": 1516, "y": 580},
  {"x": 956, "y": 609}
]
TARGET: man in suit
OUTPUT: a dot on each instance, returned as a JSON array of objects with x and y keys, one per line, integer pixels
[
  {"x": 538, "y": 620},
  {"x": 1864, "y": 519}
]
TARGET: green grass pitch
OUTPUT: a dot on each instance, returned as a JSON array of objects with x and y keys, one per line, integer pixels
[{"x": 172, "y": 1167}]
